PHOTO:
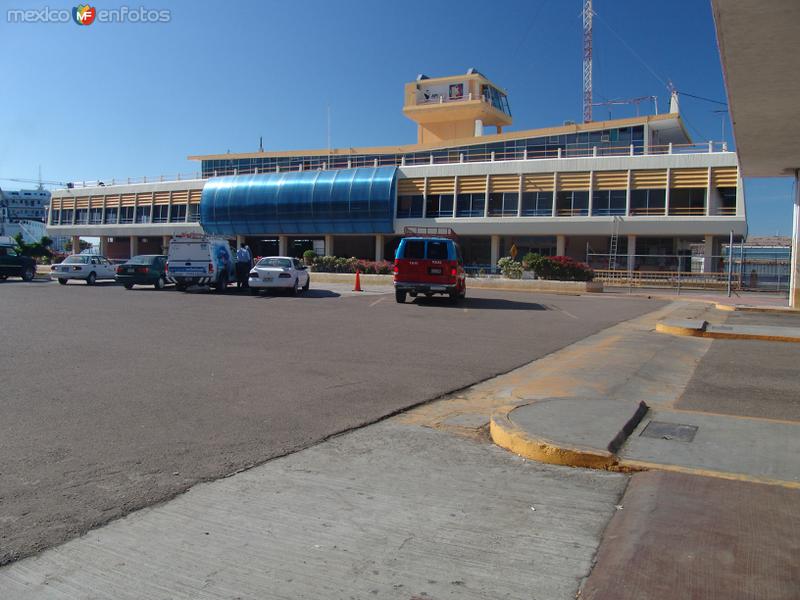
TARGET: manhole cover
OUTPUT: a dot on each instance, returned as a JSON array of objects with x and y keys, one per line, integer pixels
[{"x": 661, "y": 430}]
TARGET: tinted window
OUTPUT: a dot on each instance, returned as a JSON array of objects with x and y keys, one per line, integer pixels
[
  {"x": 437, "y": 250},
  {"x": 413, "y": 249},
  {"x": 141, "y": 260},
  {"x": 283, "y": 263},
  {"x": 76, "y": 260}
]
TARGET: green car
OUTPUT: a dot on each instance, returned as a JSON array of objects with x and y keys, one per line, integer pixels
[{"x": 147, "y": 269}]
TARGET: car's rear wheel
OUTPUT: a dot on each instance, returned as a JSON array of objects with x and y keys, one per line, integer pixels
[
  {"x": 3, "y": 277},
  {"x": 454, "y": 297},
  {"x": 399, "y": 296},
  {"x": 62, "y": 281},
  {"x": 28, "y": 274},
  {"x": 254, "y": 291},
  {"x": 222, "y": 284},
  {"x": 160, "y": 283},
  {"x": 128, "y": 286},
  {"x": 296, "y": 287},
  {"x": 307, "y": 285},
  {"x": 91, "y": 279},
  {"x": 181, "y": 287}
]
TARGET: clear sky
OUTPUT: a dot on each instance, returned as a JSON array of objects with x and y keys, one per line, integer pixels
[{"x": 118, "y": 100}]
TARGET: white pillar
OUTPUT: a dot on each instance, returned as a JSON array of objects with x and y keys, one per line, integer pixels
[
  {"x": 165, "y": 243},
  {"x": 328, "y": 245},
  {"x": 794, "y": 278},
  {"x": 76, "y": 244},
  {"x": 134, "y": 246},
  {"x": 495, "y": 250},
  {"x": 631, "y": 252},
  {"x": 283, "y": 245},
  {"x": 239, "y": 241},
  {"x": 379, "y": 247},
  {"x": 561, "y": 245},
  {"x": 103, "y": 245}
]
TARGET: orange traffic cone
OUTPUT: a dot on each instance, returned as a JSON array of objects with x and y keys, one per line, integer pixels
[{"x": 357, "y": 287}]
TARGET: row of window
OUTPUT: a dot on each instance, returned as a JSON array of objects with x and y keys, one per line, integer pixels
[
  {"x": 126, "y": 215},
  {"x": 572, "y": 144},
  {"x": 540, "y": 204}
]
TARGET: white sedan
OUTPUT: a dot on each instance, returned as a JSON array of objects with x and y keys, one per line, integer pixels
[
  {"x": 83, "y": 266},
  {"x": 279, "y": 272}
]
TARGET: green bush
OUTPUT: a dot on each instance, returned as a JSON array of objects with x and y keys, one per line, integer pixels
[
  {"x": 510, "y": 268},
  {"x": 309, "y": 256}
]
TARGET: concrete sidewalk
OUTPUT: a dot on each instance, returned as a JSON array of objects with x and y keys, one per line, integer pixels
[{"x": 389, "y": 511}]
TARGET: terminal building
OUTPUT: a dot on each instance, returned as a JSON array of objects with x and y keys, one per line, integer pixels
[{"x": 626, "y": 189}]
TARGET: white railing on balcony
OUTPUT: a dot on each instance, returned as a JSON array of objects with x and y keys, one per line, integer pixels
[{"x": 434, "y": 157}]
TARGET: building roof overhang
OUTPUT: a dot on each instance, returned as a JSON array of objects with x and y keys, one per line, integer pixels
[{"x": 760, "y": 53}]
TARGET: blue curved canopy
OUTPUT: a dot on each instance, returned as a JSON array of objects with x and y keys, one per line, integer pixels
[{"x": 342, "y": 201}]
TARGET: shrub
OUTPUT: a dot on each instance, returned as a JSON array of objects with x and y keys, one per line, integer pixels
[
  {"x": 309, "y": 256},
  {"x": 333, "y": 264},
  {"x": 536, "y": 262},
  {"x": 510, "y": 268}
]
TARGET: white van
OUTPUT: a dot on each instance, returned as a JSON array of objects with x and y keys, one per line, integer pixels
[{"x": 197, "y": 259}]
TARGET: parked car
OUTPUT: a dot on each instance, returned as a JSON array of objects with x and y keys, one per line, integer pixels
[
  {"x": 197, "y": 259},
  {"x": 429, "y": 265},
  {"x": 15, "y": 265},
  {"x": 279, "y": 272},
  {"x": 145, "y": 269},
  {"x": 88, "y": 267}
]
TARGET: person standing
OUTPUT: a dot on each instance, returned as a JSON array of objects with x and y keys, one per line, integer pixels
[{"x": 243, "y": 263}]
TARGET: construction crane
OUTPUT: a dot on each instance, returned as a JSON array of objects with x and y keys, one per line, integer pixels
[
  {"x": 635, "y": 101},
  {"x": 587, "y": 61},
  {"x": 40, "y": 182}
]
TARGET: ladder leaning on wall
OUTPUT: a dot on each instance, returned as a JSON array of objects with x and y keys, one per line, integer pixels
[{"x": 614, "y": 244}]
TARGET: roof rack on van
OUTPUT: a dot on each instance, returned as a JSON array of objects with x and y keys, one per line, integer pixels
[{"x": 445, "y": 232}]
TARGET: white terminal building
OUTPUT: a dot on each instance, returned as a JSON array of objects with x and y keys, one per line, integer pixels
[{"x": 637, "y": 191}]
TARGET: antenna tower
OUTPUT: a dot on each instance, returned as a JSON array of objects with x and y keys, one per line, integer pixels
[{"x": 587, "y": 61}]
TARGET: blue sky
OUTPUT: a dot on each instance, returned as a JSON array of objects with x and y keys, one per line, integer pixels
[{"x": 118, "y": 100}]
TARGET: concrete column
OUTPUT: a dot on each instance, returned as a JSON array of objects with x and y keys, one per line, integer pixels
[
  {"x": 495, "y": 252},
  {"x": 561, "y": 245},
  {"x": 329, "y": 245},
  {"x": 239, "y": 241},
  {"x": 283, "y": 245},
  {"x": 76, "y": 244},
  {"x": 628, "y": 196},
  {"x": 379, "y": 241},
  {"x": 103, "y": 244},
  {"x": 794, "y": 277},
  {"x": 134, "y": 246},
  {"x": 631, "y": 252},
  {"x": 708, "y": 254},
  {"x": 666, "y": 192},
  {"x": 165, "y": 243}
]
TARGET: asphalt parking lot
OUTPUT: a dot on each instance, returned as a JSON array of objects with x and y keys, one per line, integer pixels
[{"x": 113, "y": 400}]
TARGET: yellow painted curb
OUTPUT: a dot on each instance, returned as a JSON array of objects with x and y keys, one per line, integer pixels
[
  {"x": 507, "y": 435},
  {"x": 723, "y": 335},
  {"x": 640, "y": 465},
  {"x": 676, "y": 330},
  {"x": 774, "y": 310}
]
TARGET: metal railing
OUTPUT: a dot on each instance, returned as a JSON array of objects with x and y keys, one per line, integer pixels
[
  {"x": 432, "y": 157},
  {"x": 749, "y": 269}
]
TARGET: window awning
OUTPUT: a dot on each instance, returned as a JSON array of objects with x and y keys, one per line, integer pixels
[{"x": 301, "y": 202}]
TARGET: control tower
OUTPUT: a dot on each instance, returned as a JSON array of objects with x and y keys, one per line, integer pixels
[{"x": 456, "y": 107}]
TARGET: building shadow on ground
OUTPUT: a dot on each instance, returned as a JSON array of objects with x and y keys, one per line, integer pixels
[{"x": 479, "y": 303}]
